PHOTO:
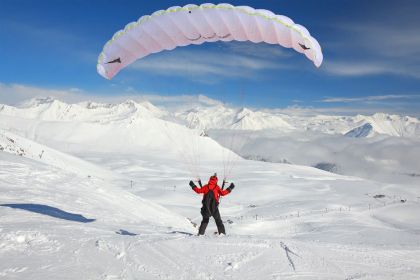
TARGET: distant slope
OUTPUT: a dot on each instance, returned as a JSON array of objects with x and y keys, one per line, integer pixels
[
  {"x": 49, "y": 109},
  {"x": 14, "y": 144},
  {"x": 381, "y": 124},
  {"x": 385, "y": 124},
  {"x": 221, "y": 117}
]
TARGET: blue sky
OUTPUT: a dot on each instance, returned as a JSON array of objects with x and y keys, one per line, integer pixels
[{"x": 371, "y": 56}]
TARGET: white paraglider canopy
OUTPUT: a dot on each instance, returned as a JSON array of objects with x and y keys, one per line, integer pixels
[{"x": 192, "y": 24}]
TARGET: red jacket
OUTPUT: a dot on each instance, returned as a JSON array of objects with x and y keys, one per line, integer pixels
[{"x": 212, "y": 186}]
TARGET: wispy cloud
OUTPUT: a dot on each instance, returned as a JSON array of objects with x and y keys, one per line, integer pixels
[
  {"x": 52, "y": 38},
  {"x": 385, "y": 39},
  {"x": 369, "y": 98},
  {"x": 14, "y": 94},
  {"x": 210, "y": 66},
  {"x": 375, "y": 49},
  {"x": 309, "y": 111},
  {"x": 371, "y": 67},
  {"x": 261, "y": 50}
]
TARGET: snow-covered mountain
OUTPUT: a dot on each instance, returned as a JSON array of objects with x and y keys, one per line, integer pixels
[
  {"x": 221, "y": 117},
  {"x": 15, "y": 144},
  {"x": 377, "y": 124},
  {"x": 385, "y": 124},
  {"x": 215, "y": 116},
  {"x": 49, "y": 109},
  {"x": 124, "y": 127}
]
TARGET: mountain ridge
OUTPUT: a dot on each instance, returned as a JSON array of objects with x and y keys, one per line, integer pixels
[{"x": 213, "y": 116}]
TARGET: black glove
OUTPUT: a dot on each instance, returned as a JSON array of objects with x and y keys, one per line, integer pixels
[
  {"x": 231, "y": 187},
  {"x": 192, "y": 185},
  {"x": 199, "y": 182}
]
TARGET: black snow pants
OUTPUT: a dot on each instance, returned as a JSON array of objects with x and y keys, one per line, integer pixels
[{"x": 206, "y": 213}]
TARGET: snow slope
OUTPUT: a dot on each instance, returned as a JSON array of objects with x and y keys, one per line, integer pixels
[
  {"x": 299, "y": 222},
  {"x": 119, "y": 207},
  {"x": 14, "y": 144}
]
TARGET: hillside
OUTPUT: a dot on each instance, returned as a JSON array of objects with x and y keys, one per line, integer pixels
[{"x": 101, "y": 190}]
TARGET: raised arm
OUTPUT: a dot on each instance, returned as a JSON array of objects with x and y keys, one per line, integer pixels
[
  {"x": 200, "y": 190},
  {"x": 227, "y": 191},
  {"x": 197, "y": 189}
]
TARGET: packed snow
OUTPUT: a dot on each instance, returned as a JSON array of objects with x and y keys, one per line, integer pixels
[{"x": 100, "y": 191}]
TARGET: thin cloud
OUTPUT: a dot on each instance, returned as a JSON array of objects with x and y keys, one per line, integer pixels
[
  {"x": 385, "y": 48},
  {"x": 52, "y": 38},
  {"x": 385, "y": 40},
  {"x": 261, "y": 50},
  {"x": 368, "y": 98},
  {"x": 13, "y": 94},
  {"x": 211, "y": 66},
  {"x": 368, "y": 68},
  {"x": 310, "y": 111}
]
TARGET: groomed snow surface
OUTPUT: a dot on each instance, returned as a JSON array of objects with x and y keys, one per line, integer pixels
[{"x": 99, "y": 191}]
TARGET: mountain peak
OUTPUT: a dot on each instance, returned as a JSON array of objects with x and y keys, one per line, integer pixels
[
  {"x": 365, "y": 130},
  {"x": 244, "y": 112}
]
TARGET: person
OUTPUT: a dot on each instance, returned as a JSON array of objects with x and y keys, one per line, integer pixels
[{"x": 210, "y": 208}]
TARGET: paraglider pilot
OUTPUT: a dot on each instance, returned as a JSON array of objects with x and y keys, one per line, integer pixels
[{"x": 212, "y": 193}]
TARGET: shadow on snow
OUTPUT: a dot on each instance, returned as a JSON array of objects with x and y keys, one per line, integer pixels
[{"x": 50, "y": 211}]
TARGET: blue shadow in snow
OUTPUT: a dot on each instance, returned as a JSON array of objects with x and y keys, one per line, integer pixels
[{"x": 50, "y": 211}]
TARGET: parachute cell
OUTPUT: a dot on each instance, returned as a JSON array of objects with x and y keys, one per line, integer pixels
[{"x": 192, "y": 24}]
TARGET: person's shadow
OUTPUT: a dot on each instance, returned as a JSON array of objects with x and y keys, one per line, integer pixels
[{"x": 50, "y": 211}]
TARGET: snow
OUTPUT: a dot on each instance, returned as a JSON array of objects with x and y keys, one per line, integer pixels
[
  {"x": 49, "y": 109},
  {"x": 384, "y": 158},
  {"x": 219, "y": 116},
  {"x": 17, "y": 145},
  {"x": 100, "y": 191}
]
